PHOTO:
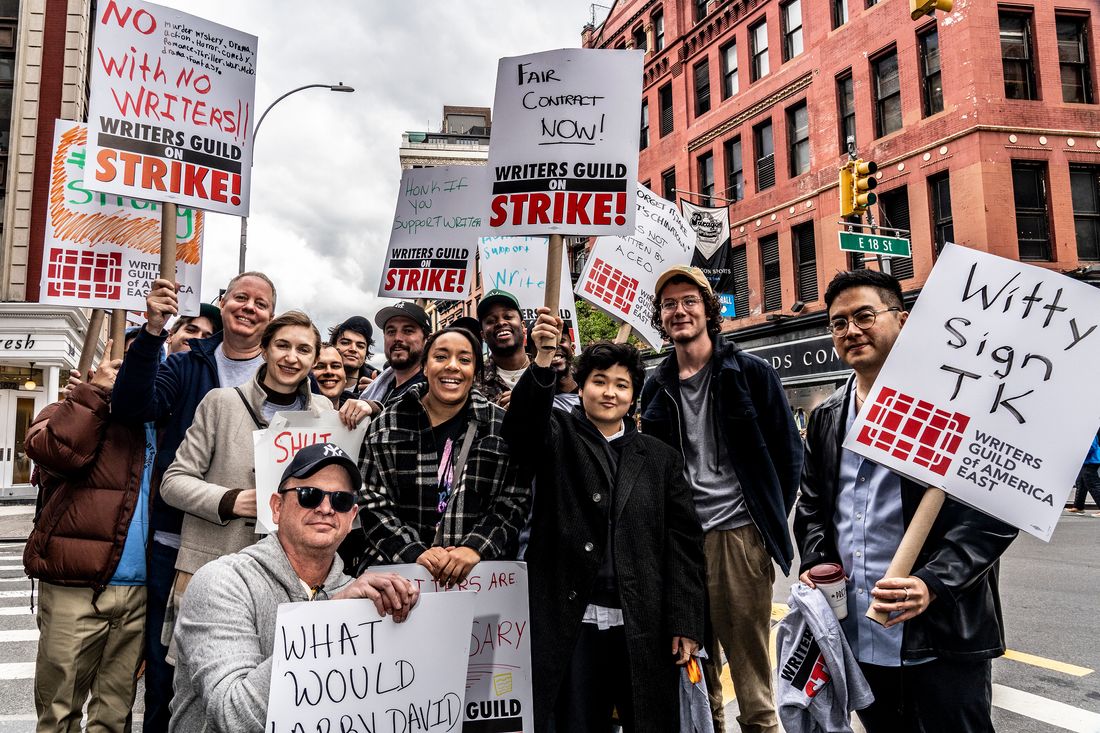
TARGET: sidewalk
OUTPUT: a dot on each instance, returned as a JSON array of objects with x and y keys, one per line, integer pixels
[{"x": 15, "y": 521}]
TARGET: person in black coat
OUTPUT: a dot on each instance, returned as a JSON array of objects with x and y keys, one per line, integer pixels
[{"x": 616, "y": 552}]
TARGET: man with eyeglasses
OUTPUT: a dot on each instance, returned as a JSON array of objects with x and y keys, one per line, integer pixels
[
  {"x": 929, "y": 667},
  {"x": 726, "y": 411},
  {"x": 226, "y": 628}
]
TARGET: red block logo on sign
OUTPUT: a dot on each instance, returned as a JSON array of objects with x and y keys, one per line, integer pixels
[
  {"x": 84, "y": 274},
  {"x": 611, "y": 286},
  {"x": 914, "y": 430}
]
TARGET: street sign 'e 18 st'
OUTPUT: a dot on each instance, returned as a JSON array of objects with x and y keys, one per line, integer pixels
[{"x": 875, "y": 244}]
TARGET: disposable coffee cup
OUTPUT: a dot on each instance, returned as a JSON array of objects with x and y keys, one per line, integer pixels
[{"x": 829, "y": 579}]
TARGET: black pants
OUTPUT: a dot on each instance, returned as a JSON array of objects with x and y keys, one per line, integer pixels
[
  {"x": 598, "y": 679},
  {"x": 941, "y": 696},
  {"x": 1088, "y": 482},
  {"x": 158, "y": 672}
]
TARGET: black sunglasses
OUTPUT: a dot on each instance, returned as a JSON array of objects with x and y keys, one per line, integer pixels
[{"x": 310, "y": 497}]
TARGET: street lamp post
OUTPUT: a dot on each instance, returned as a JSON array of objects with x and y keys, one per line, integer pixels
[{"x": 341, "y": 87}]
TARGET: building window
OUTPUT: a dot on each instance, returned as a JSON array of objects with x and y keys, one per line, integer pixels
[
  {"x": 668, "y": 184},
  {"x": 769, "y": 260},
  {"x": 639, "y": 37},
  {"x": 884, "y": 73},
  {"x": 621, "y": 45},
  {"x": 845, "y": 110},
  {"x": 735, "y": 175},
  {"x": 643, "y": 137},
  {"x": 872, "y": 3},
  {"x": 758, "y": 36},
  {"x": 792, "y": 29},
  {"x": 1016, "y": 56},
  {"x": 1029, "y": 190},
  {"x": 701, "y": 73},
  {"x": 765, "y": 155},
  {"x": 805, "y": 259},
  {"x": 729, "y": 69},
  {"x": 893, "y": 210},
  {"x": 1073, "y": 58},
  {"x": 840, "y": 13},
  {"x": 1084, "y": 181},
  {"x": 939, "y": 195},
  {"x": 704, "y": 164},
  {"x": 658, "y": 31},
  {"x": 798, "y": 137},
  {"x": 664, "y": 102},
  {"x": 700, "y": 9},
  {"x": 740, "y": 267},
  {"x": 931, "y": 81}
]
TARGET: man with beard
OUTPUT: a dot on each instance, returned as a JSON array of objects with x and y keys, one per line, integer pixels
[
  {"x": 502, "y": 328},
  {"x": 727, "y": 412},
  {"x": 353, "y": 339},
  {"x": 405, "y": 326}
]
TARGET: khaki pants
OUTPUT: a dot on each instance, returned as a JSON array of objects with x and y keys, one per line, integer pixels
[
  {"x": 739, "y": 592},
  {"x": 82, "y": 650},
  {"x": 172, "y": 613}
]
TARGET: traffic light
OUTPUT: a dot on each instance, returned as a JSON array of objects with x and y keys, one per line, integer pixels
[
  {"x": 863, "y": 181},
  {"x": 918, "y": 8},
  {"x": 847, "y": 201}
]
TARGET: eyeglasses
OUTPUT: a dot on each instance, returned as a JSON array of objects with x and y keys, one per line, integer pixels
[
  {"x": 864, "y": 319},
  {"x": 689, "y": 302},
  {"x": 310, "y": 497}
]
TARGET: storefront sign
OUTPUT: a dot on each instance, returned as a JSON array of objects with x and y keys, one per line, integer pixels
[{"x": 809, "y": 357}]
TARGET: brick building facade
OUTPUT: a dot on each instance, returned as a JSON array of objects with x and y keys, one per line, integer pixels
[{"x": 984, "y": 122}]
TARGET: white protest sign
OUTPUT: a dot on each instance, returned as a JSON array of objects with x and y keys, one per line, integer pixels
[
  {"x": 517, "y": 265},
  {"x": 498, "y": 680},
  {"x": 286, "y": 434},
  {"x": 103, "y": 250},
  {"x": 563, "y": 154},
  {"x": 621, "y": 273},
  {"x": 337, "y": 666},
  {"x": 170, "y": 108},
  {"x": 435, "y": 228},
  {"x": 990, "y": 390}
]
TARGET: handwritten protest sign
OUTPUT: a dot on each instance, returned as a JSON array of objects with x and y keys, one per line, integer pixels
[
  {"x": 563, "y": 155},
  {"x": 713, "y": 254},
  {"x": 517, "y": 265},
  {"x": 170, "y": 108},
  {"x": 337, "y": 666},
  {"x": 286, "y": 434},
  {"x": 498, "y": 679},
  {"x": 102, "y": 250},
  {"x": 435, "y": 228},
  {"x": 621, "y": 272},
  {"x": 990, "y": 390}
]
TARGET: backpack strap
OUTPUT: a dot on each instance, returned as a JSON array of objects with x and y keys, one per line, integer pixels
[{"x": 260, "y": 424}]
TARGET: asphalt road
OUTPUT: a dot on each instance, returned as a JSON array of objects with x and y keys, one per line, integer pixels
[{"x": 1050, "y": 593}]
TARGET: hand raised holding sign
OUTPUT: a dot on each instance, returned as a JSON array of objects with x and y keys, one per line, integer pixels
[
  {"x": 546, "y": 334},
  {"x": 392, "y": 594},
  {"x": 161, "y": 304}
]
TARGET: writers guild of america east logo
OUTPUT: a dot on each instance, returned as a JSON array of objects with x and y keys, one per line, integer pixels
[{"x": 706, "y": 226}]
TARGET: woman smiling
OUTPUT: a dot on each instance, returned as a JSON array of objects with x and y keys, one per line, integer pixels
[{"x": 439, "y": 487}]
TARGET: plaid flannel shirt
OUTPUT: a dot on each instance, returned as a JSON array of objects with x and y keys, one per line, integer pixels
[{"x": 488, "y": 504}]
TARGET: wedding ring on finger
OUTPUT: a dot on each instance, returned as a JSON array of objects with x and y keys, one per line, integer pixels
[{"x": 906, "y": 599}]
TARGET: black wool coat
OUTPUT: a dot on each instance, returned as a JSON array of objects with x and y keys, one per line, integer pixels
[{"x": 657, "y": 541}]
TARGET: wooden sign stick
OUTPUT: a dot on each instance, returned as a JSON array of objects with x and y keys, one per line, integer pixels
[
  {"x": 912, "y": 542},
  {"x": 91, "y": 341},
  {"x": 553, "y": 273},
  {"x": 168, "y": 242},
  {"x": 624, "y": 333},
  {"x": 118, "y": 333}
]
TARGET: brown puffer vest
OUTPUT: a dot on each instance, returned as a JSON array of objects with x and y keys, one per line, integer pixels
[{"x": 91, "y": 477}]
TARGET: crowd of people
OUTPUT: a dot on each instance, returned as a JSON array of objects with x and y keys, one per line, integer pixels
[{"x": 651, "y": 512}]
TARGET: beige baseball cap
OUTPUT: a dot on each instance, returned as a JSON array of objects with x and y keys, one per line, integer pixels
[{"x": 694, "y": 274}]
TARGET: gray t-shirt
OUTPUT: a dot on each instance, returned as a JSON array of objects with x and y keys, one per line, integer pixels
[
  {"x": 235, "y": 372},
  {"x": 708, "y": 468},
  {"x": 269, "y": 408}
]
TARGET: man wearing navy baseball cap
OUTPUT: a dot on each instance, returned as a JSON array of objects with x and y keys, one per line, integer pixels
[{"x": 226, "y": 628}]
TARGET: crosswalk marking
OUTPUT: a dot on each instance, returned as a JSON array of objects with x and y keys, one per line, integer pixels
[
  {"x": 11, "y": 567},
  {"x": 1045, "y": 710},
  {"x": 13, "y": 635},
  {"x": 15, "y": 593},
  {"x": 17, "y": 671},
  {"x": 15, "y": 611}
]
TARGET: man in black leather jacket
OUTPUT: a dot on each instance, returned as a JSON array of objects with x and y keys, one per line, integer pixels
[{"x": 930, "y": 667}]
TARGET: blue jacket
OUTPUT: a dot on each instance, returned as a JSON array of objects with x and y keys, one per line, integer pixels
[
  {"x": 168, "y": 396},
  {"x": 757, "y": 424}
]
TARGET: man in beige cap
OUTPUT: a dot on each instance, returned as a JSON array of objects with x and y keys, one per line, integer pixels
[{"x": 726, "y": 410}]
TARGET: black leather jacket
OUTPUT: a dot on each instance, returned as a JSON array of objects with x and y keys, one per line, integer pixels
[{"x": 959, "y": 561}]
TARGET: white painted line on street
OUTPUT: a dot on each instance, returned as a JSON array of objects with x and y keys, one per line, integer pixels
[
  {"x": 15, "y": 611},
  {"x": 24, "y": 579},
  {"x": 19, "y": 635},
  {"x": 15, "y": 593},
  {"x": 17, "y": 671},
  {"x": 11, "y": 567},
  {"x": 1045, "y": 710}
]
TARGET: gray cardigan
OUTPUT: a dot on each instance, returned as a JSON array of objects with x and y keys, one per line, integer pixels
[
  {"x": 217, "y": 458},
  {"x": 226, "y": 634}
]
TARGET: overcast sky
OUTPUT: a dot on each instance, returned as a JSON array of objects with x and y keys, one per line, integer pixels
[{"x": 325, "y": 173}]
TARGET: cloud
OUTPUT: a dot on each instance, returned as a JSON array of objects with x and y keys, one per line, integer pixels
[{"x": 325, "y": 171}]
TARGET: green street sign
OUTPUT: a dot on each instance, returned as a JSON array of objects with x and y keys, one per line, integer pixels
[{"x": 875, "y": 244}]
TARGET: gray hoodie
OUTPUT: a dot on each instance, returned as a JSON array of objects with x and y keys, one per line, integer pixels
[
  {"x": 818, "y": 681},
  {"x": 226, "y": 633}
]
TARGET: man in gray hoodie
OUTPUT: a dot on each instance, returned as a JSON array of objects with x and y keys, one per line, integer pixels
[{"x": 226, "y": 628}]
